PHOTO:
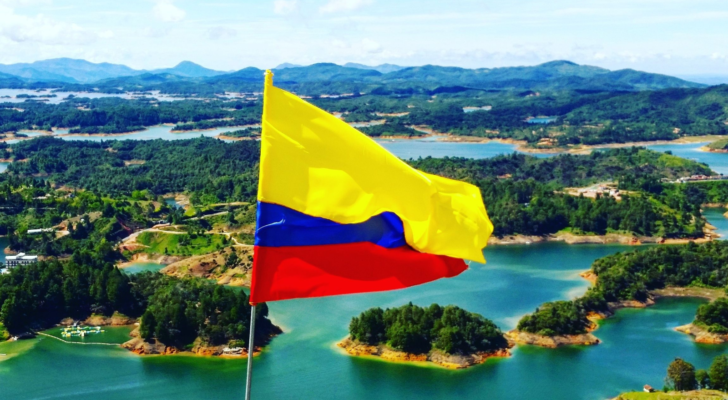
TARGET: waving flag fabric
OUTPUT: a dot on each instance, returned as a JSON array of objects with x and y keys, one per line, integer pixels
[{"x": 339, "y": 214}]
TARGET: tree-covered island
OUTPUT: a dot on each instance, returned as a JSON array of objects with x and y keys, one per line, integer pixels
[
  {"x": 637, "y": 279},
  {"x": 448, "y": 336}
]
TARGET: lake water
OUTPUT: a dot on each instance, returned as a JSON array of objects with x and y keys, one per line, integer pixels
[
  {"x": 10, "y": 96},
  {"x": 541, "y": 120},
  {"x": 717, "y": 161},
  {"x": 303, "y": 363}
]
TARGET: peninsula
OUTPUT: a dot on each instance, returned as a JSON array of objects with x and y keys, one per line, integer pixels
[{"x": 636, "y": 280}]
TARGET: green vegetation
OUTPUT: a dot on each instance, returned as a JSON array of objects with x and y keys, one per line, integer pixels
[
  {"x": 418, "y": 330},
  {"x": 684, "y": 382},
  {"x": 244, "y": 133},
  {"x": 91, "y": 221},
  {"x": 391, "y": 129},
  {"x": 692, "y": 395},
  {"x": 182, "y": 243},
  {"x": 114, "y": 115},
  {"x": 180, "y": 311},
  {"x": 721, "y": 144},
  {"x": 557, "y": 318},
  {"x": 631, "y": 275},
  {"x": 523, "y": 194},
  {"x": 593, "y": 107},
  {"x": 212, "y": 170},
  {"x": 39, "y": 295},
  {"x": 681, "y": 376},
  {"x": 713, "y": 316}
]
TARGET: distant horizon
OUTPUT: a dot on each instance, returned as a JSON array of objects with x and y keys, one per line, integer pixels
[
  {"x": 343, "y": 64},
  {"x": 676, "y": 37}
]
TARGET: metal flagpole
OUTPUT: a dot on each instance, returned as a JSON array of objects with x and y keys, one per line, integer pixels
[{"x": 251, "y": 349}]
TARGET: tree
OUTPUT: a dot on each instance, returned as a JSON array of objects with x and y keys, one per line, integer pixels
[
  {"x": 681, "y": 375},
  {"x": 703, "y": 379},
  {"x": 146, "y": 328},
  {"x": 718, "y": 373}
]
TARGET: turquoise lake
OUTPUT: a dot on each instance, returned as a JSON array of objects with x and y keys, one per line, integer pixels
[{"x": 304, "y": 363}]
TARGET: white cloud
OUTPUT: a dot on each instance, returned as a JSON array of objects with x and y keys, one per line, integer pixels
[
  {"x": 221, "y": 32},
  {"x": 156, "y": 32},
  {"x": 371, "y": 46},
  {"x": 166, "y": 11},
  {"x": 334, "y": 6},
  {"x": 42, "y": 29},
  {"x": 22, "y": 3},
  {"x": 285, "y": 7},
  {"x": 106, "y": 34}
]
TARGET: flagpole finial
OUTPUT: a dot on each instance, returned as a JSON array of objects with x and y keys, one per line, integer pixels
[{"x": 268, "y": 77}]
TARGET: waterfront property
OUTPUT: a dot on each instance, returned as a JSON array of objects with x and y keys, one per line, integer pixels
[
  {"x": 37, "y": 231},
  {"x": 20, "y": 259}
]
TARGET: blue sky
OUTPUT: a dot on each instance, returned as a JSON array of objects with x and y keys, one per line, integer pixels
[{"x": 679, "y": 37}]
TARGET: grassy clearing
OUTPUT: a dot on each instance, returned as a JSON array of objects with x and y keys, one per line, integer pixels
[
  {"x": 181, "y": 244},
  {"x": 719, "y": 144},
  {"x": 692, "y": 395}
]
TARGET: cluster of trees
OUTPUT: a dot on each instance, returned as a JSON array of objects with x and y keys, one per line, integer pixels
[
  {"x": 174, "y": 311},
  {"x": 523, "y": 194},
  {"x": 180, "y": 311},
  {"x": 213, "y": 169},
  {"x": 418, "y": 330},
  {"x": 567, "y": 169},
  {"x": 713, "y": 316},
  {"x": 115, "y": 115},
  {"x": 40, "y": 295},
  {"x": 216, "y": 123},
  {"x": 244, "y": 133},
  {"x": 682, "y": 375},
  {"x": 631, "y": 275},
  {"x": 556, "y": 318},
  {"x": 391, "y": 129},
  {"x": 92, "y": 220}
]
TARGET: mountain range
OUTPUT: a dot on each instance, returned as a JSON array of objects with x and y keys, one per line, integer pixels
[
  {"x": 567, "y": 75},
  {"x": 81, "y": 71}
]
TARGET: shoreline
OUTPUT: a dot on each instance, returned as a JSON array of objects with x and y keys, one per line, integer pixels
[
  {"x": 588, "y": 338},
  {"x": 140, "y": 347},
  {"x": 621, "y": 238},
  {"x": 522, "y": 145},
  {"x": 222, "y": 136},
  {"x": 707, "y": 149},
  {"x": 434, "y": 357}
]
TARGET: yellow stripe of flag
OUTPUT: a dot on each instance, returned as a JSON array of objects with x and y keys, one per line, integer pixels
[{"x": 324, "y": 168}]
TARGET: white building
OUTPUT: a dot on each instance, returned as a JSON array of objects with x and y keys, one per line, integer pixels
[
  {"x": 37, "y": 231},
  {"x": 20, "y": 259}
]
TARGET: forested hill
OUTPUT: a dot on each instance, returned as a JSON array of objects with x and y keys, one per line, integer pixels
[
  {"x": 568, "y": 170},
  {"x": 560, "y": 75},
  {"x": 224, "y": 171},
  {"x": 523, "y": 194}
]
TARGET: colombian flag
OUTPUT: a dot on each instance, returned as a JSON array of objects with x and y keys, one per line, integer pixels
[{"x": 339, "y": 214}]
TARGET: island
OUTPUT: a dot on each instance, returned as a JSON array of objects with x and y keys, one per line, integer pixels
[
  {"x": 446, "y": 336},
  {"x": 249, "y": 133},
  {"x": 637, "y": 279}
]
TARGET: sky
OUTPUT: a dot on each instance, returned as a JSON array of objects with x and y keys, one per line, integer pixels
[{"x": 676, "y": 37}]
